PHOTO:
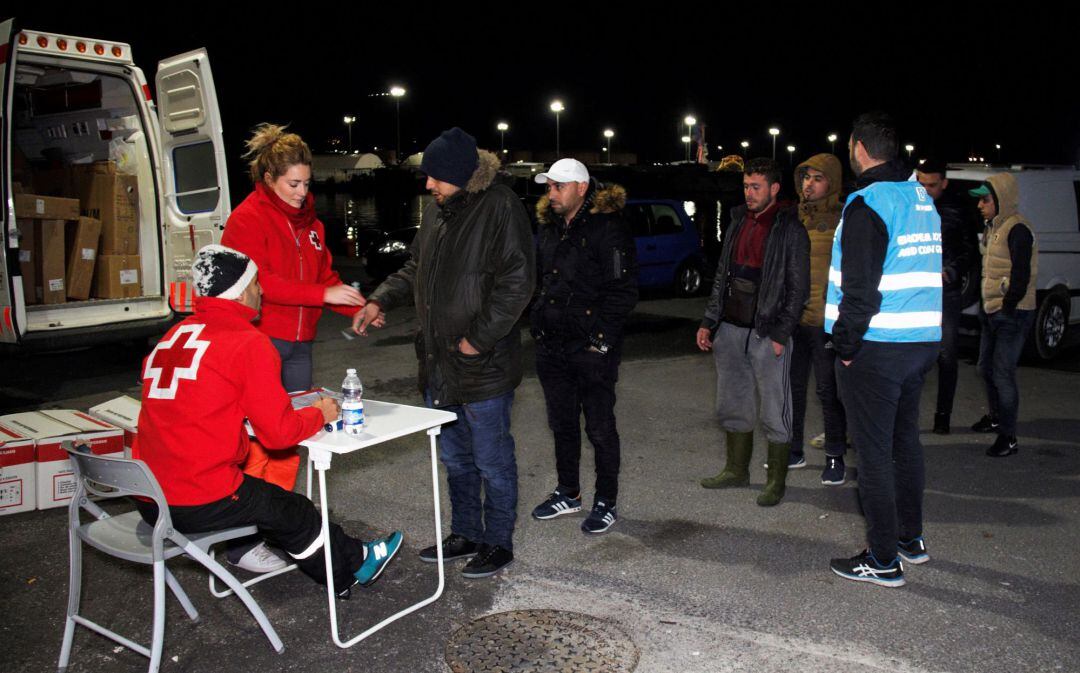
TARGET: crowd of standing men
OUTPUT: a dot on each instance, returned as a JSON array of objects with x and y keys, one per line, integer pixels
[{"x": 865, "y": 293}]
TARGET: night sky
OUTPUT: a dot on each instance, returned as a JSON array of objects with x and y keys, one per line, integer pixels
[{"x": 959, "y": 77}]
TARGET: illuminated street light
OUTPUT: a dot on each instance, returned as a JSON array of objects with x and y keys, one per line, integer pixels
[
  {"x": 348, "y": 124},
  {"x": 557, "y": 107},
  {"x": 791, "y": 154},
  {"x": 397, "y": 92},
  {"x": 774, "y": 132},
  {"x": 503, "y": 127},
  {"x": 745, "y": 146},
  {"x": 690, "y": 120},
  {"x": 997, "y": 146},
  {"x": 609, "y": 134},
  {"x": 832, "y": 143},
  {"x": 910, "y": 149}
]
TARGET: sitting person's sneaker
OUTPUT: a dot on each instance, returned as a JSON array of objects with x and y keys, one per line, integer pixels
[
  {"x": 1004, "y": 445},
  {"x": 913, "y": 551},
  {"x": 833, "y": 474},
  {"x": 557, "y": 504},
  {"x": 260, "y": 559},
  {"x": 863, "y": 567},
  {"x": 379, "y": 553},
  {"x": 818, "y": 442},
  {"x": 600, "y": 519},
  {"x": 489, "y": 560},
  {"x": 987, "y": 423},
  {"x": 453, "y": 547}
]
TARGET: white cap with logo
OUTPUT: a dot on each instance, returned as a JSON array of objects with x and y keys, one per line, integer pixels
[{"x": 565, "y": 170}]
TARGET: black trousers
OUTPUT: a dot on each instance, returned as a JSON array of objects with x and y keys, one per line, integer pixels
[
  {"x": 948, "y": 356},
  {"x": 285, "y": 519},
  {"x": 810, "y": 348},
  {"x": 579, "y": 383},
  {"x": 881, "y": 390}
]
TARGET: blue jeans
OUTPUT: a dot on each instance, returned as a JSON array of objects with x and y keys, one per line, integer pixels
[
  {"x": 478, "y": 449},
  {"x": 1000, "y": 345}
]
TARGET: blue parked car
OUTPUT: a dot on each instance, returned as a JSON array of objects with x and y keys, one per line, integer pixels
[{"x": 668, "y": 246}]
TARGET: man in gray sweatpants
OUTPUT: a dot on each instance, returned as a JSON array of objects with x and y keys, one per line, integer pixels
[{"x": 762, "y": 282}]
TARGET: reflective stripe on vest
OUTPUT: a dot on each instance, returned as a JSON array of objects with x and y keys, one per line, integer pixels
[{"x": 910, "y": 283}]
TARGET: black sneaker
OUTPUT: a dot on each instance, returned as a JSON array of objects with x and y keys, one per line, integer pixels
[
  {"x": 453, "y": 547},
  {"x": 833, "y": 474},
  {"x": 913, "y": 551},
  {"x": 600, "y": 519},
  {"x": 557, "y": 504},
  {"x": 941, "y": 424},
  {"x": 1004, "y": 445},
  {"x": 987, "y": 423},
  {"x": 863, "y": 567},
  {"x": 488, "y": 561}
]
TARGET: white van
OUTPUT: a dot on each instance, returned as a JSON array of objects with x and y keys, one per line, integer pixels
[
  {"x": 1049, "y": 198},
  {"x": 72, "y": 106}
]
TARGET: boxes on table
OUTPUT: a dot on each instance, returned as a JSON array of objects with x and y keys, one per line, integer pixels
[{"x": 18, "y": 481}]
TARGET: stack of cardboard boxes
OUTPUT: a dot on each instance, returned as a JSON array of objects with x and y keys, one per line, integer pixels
[{"x": 79, "y": 238}]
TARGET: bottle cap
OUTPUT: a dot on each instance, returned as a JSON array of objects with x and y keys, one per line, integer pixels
[{"x": 350, "y": 372}]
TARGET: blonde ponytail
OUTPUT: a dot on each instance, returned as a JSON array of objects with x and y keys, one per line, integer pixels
[{"x": 272, "y": 150}]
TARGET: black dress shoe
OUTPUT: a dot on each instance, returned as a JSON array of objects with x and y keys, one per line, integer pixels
[
  {"x": 987, "y": 423},
  {"x": 1004, "y": 445},
  {"x": 941, "y": 424}
]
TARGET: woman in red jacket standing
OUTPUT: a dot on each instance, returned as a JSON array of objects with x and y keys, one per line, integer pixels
[{"x": 277, "y": 228}]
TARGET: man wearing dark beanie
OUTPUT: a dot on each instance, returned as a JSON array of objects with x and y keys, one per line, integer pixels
[
  {"x": 200, "y": 382},
  {"x": 470, "y": 274}
]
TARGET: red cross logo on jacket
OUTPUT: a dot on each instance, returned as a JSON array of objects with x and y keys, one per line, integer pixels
[{"x": 175, "y": 359}]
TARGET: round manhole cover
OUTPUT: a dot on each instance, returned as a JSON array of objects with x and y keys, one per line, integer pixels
[{"x": 540, "y": 641}]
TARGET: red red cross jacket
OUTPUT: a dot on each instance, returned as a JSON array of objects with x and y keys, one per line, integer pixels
[
  {"x": 295, "y": 266},
  {"x": 204, "y": 377}
]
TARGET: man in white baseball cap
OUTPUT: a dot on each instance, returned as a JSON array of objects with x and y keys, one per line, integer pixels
[{"x": 565, "y": 170}]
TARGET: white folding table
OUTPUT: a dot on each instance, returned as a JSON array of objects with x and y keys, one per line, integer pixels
[{"x": 385, "y": 421}]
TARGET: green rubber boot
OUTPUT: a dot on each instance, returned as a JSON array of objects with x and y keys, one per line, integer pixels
[
  {"x": 736, "y": 472},
  {"x": 773, "y": 492}
]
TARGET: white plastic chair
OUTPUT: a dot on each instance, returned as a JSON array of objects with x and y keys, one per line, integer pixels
[{"x": 128, "y": 537}]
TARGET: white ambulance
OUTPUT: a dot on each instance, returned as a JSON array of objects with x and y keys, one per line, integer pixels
[{"x": 77, "y": 123}]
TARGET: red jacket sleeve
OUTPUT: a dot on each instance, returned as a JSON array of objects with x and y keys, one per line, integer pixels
[
  {"x": 265, "y": 403},
  {"x": 248, "y": 233}
]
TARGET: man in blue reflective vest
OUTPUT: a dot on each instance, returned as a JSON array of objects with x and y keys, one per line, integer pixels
[{"x": 883, "y": 309}]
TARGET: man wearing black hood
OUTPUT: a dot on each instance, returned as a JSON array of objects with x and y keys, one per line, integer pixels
[{"x": 470, "y": 273}]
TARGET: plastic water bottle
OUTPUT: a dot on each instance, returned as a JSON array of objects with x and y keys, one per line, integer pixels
[{"x": 352, "y": 403}]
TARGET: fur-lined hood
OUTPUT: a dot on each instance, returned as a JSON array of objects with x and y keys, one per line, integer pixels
[
  {"x": 484, "y": 175},
  {"x": 601, "y": 198}
]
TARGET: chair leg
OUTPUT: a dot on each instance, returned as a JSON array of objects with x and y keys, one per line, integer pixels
[
  {"x": 181, "y": 595},
  {"x": 225, "y": 576},
  {"x": 158, "y": 641},
  {"x": 74, "y": 595}
]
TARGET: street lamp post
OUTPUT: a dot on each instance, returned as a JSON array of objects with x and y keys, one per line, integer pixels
[
  {"x": 609, "y": 134},
  {"x": 745, "y": 147},
  {"x": 832, "y": 143},
  {"x": 997, "y": 146},
  {"x": 690, "y": 120},
  {"x": 557, "y": 107},
  {"x": 348, "y": 124},
  {"x": 791, "y": 154},
  {"x": 503, "y": 128},
  {"x": 909, "y": 148},
  {"x": 774, "y": 132},
  {"x": 397, "y": 92},
  {"x": 686, "y": 141}
]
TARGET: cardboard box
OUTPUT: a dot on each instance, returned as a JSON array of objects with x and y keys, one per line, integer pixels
[
  {"x": 118, "y": 277},
  {"x": 41, "y": 207},
  {"x": 49, "y": 429},
  {"x": 28, "y": 260},
  {"x": 123, "y": 412},
  {"x": 112, "y": 198},
  {"x": 50, "y": 260},
  {"x": 18, "y": 481},
  {"x": 82, "y": 242}
]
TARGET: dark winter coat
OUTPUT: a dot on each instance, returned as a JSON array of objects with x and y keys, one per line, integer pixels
[
  {"x": 470, "y": 273},
  {"x": 959, "y": 242},
  {"x": 785, "y": 276},
  {"x": 587, "y": 273}
]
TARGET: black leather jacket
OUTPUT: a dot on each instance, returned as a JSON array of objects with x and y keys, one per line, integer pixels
[
  {"x": 785, "y": 276},
  {"x": 587, "y": 274},
  {"x": 471, "y": 273}
]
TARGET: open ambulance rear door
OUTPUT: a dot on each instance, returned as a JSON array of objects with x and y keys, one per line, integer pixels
[
  {"x": 196, "y": 186},
  {"x": 9, "y": 262}
]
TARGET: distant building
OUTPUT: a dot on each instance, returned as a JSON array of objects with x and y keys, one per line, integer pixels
[{"x": 343, "y": 167}]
